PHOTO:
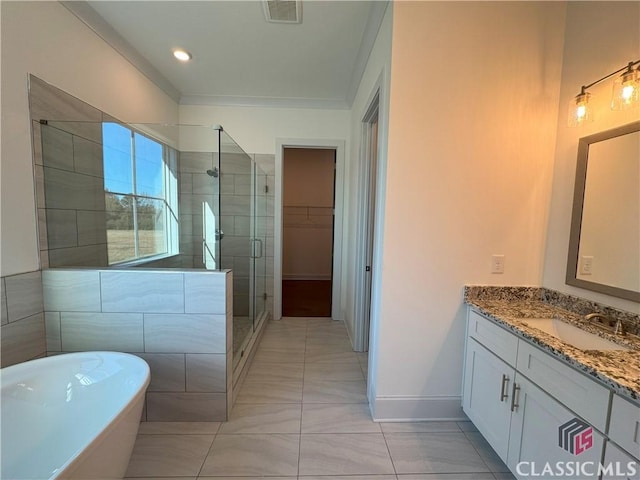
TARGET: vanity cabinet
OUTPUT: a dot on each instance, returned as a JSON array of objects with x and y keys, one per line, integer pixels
[
  {"x": 523, "y": 400},
  {"x": 486, "y": 395}
]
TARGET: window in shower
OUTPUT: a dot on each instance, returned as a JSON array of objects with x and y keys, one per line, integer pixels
[{"x": 140, "y": 185}]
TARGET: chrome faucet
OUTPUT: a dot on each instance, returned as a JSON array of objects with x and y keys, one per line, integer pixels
[
  {"x": 620, "y": 329},
  {"x": 617, "y": 327}
]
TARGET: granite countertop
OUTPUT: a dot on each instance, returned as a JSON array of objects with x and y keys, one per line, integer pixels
[{"x": 617, "y": 369}]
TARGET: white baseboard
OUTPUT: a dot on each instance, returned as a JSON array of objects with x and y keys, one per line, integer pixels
[
  {"x": 413, "y": 409},
  {"x": 305, "y": 277}
]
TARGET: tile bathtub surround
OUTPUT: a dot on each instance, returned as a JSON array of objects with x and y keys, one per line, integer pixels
[
  {"x": 175, "y": 320},
  {"x": 279, "y": 433},
  {"x": 23, "y": 320},
  {"x": 617, "y": 369}
]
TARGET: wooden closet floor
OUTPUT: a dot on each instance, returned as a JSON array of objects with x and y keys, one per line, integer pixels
[{"x": 306, "y": 298}]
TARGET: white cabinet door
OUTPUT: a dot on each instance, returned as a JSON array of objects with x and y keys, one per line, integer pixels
[
  {"x": 618, "y": 465},
  {"x": 624, "y": 426},
  {"x": 486, "y": 395},
  {"x": 544, "y": 432}
]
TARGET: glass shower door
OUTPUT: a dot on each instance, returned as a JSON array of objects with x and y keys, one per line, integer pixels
[{"x": 236, "y": 209}]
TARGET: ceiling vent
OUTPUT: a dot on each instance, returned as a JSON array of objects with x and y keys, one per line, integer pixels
[{"x": 283, "y": 11}]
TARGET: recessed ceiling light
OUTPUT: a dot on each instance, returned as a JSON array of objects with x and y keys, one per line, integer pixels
[{"x": 182, "y": 55}]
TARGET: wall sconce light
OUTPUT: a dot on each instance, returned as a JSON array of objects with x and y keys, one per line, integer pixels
[{"x": 626, "y": 94}]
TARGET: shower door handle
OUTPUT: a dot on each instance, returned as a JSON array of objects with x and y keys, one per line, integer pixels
[{"x": 256, "y": 248}]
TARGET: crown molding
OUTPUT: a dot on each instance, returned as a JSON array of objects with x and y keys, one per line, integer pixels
[
  {"x": 376, "y": 15},
  {"x": 92, "y": 19},
  {"x": 267, "y": 102}
]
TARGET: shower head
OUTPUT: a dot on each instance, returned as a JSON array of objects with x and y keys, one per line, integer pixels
[{"x": 213, "y": 173}]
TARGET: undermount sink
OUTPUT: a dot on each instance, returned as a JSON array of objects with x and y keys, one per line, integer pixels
[{"x": 571, "y": 334}]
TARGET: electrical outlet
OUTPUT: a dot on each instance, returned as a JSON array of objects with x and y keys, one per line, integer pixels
[
  {"x": 586, "y": 265},
  {"x": 497, "y": 263}
]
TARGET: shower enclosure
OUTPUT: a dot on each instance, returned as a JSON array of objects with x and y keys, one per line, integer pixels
[{"x": 157, "y": 196}]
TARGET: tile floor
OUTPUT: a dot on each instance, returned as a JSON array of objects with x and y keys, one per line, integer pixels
[{"x": 302, "y": 413}]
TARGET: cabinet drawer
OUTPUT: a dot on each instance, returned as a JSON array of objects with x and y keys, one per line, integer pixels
[
  {"x": 502, "y": 343},
  {"x": 624, "y": 428},
  {"x": 581, "y": 394}
]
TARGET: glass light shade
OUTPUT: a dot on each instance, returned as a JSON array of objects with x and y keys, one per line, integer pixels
[
  {"x": 626, "y": 91},
  {"x": 580, "y": 111}
]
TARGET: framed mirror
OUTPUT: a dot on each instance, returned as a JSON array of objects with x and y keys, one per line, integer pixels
[{"x": 604, "y": 243}]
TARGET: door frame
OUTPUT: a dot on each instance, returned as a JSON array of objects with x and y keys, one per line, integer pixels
[
  {"x": 336, "y": 280},
  {"x": 365, "y": 234}
]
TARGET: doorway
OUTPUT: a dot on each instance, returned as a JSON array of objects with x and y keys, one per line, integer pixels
[{"x": 308, "y": 203}]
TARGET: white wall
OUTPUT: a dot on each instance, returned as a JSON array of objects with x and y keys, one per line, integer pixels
[
  {"x": 473, "y": 109},
  {"x": 44, "y": 39},
  {"x": 601, "y": 37},
  {"x": 256, "y": 129}
]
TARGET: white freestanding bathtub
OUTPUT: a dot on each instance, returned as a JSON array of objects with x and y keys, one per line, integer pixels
[{"x": 71, "y": 416}]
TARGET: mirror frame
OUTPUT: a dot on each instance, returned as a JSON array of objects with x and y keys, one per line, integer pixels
[{"x": 576, "y": 216}]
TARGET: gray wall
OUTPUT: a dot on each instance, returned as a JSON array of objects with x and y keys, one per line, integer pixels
[{"x": 22, "y": 331}]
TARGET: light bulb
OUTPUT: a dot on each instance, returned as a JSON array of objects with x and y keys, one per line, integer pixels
[
  {"x": 625, "y": 90},
  {"x": 580, "y": 110}
]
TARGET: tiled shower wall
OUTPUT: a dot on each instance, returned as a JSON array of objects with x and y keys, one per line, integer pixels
[
  {"x": 71, "y": 224},
  {"x": 68, "y": 154},
  {"x": 22, "y": 331},
  {"x": 265, "y": 219},
  {"x": 179, "y": 322},
  {"x": 196, "y": 189}
]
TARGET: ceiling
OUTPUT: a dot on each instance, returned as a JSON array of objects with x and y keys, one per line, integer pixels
[{"x": 238, "y": 57}]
